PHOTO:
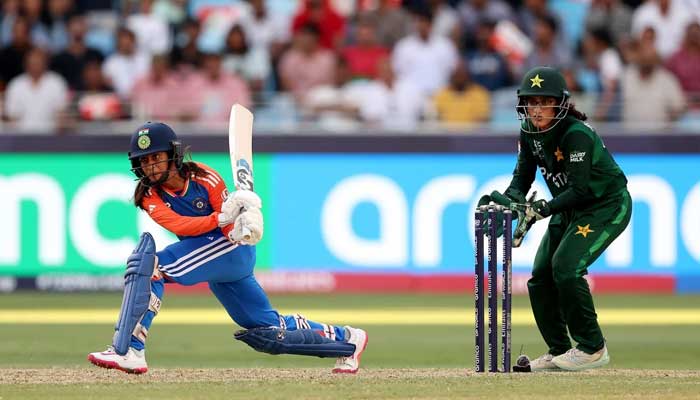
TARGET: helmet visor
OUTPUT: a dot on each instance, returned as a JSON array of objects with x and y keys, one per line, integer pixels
[{"x": 541, "y": 113}]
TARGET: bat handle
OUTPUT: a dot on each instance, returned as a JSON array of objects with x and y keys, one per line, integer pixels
[{"x": 246, "y": 233}]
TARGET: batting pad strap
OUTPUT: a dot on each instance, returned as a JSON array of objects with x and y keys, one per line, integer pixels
[
  {"x": 304, "y": 342},
  {"x": 154, "y": 304},
  {"x": 140, "y": 332}
]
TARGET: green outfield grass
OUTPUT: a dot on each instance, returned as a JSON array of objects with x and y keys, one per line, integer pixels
[{"x": 417, "y": 361}]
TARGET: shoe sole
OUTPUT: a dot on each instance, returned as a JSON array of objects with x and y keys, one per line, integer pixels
[
  {"x": 359, "y": 356},
  {"x": 113, "y": 365},
  {"x": 546, "y": 369}
]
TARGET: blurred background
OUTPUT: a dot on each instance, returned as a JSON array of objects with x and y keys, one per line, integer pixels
[
  {"x": 342, "y": 65},
  {"x": 378, "y": 125}
]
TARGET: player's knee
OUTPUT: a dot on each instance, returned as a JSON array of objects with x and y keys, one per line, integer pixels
[
  {"x": 563, "y": 275},
  {"x": 260, "y": 320},
  {"x": 541, "y": 273},
  {"x": 563, "y": 267}
]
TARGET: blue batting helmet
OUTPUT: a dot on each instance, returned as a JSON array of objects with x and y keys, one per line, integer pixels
[{"x": 153, "y": 137}]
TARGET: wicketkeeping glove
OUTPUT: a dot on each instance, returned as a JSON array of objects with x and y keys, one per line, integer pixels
[
  {"x": 498, "y": 198},
  {"x": 529, "y": 213},
  {"x": 540, "y": 208}
]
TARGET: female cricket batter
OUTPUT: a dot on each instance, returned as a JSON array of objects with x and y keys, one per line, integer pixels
[
  {"x": 190, "y": 199},
  {"x": 589, "y": 209}
]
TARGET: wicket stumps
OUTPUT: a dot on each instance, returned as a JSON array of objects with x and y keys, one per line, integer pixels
[{"x": 489, "y": 229}]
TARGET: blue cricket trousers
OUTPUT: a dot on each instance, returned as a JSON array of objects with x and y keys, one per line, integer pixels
[{"x": 228, "y": 269}]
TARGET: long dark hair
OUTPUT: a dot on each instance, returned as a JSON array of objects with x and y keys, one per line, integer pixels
[
  {"x": 188, "y": 169},
  {"x": 579, "y": 115}
]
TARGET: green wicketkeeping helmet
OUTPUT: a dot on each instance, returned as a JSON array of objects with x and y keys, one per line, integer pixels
[{"x": 543, "y": 81}]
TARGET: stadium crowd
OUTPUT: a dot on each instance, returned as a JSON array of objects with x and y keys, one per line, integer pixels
[{"x": 340, "y": 64}]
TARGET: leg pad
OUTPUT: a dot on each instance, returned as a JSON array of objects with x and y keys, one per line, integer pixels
[
  {"x": 137, "y": 293},
  {"x": 305, "y": 342}
]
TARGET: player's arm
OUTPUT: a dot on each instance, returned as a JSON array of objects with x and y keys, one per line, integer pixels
[
  {"x": 524, "y": 173},
  {"x": 176, "y": 223},
  {"x": 215, "y": 185},
  {"x": 578, "y": 155}
]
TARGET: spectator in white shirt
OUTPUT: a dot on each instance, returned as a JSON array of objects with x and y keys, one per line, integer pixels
[
  {"x": 445, "y": 20},
  {"x": 252, "y": 63},
  {"x": 152, "y": 33},
  {"x": 423, "y": 59},
  {"x": 35, "y": 100},
  {"x": 336, "y": 105},
  {"x": 605, "y": 61},
  {"x": 652, "y": 95},
  {"x": 265, "y": 29},
  {"x": 123, "y": 68},
  {"x": 390, "y": 103},
  {"x": 668, "y": 18}
]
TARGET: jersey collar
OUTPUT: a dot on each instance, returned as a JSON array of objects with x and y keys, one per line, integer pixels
[{"x": 182, "y": 193}]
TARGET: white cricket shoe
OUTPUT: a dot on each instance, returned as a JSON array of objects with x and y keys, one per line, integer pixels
[
  {"x": 577, "y": 360},
  {"x": 133, "y": 362},
  {"x": 350, "y": 365},
  {"x": 543, "y": 363}
]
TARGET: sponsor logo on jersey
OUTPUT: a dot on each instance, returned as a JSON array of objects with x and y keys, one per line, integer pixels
[{"x": 577, "y": 156}]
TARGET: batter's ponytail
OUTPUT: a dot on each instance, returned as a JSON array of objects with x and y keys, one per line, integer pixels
[{"x": 139, "y": 194}]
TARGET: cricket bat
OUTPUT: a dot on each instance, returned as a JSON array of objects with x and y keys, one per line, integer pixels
[{"x": 240, "y": 143}]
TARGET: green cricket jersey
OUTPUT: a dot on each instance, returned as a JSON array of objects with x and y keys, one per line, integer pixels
[{"x": 574, "y": 162}]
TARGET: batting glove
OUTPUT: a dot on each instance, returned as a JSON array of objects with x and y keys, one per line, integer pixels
[{"x": 236, "y": 203}]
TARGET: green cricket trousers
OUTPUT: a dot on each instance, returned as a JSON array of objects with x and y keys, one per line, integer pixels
[{"x": 559, "y": 293}]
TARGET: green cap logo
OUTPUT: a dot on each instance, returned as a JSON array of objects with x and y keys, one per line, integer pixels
[{"x": 536, "y": 81}]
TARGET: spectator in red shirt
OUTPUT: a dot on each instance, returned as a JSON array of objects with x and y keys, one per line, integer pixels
[
  {"x": 157, "y": 95},
  {"x": 365, "y": 54},
  {"x": 306, "y": 65},
  {"x": 331, "y": 25},
  {"x": 212, "y": 92},
  {"x": 685, "y": 64}
]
